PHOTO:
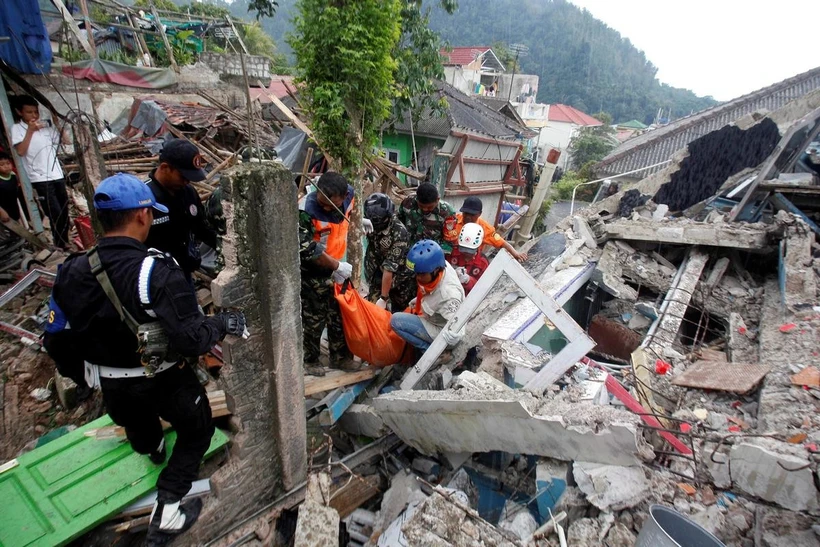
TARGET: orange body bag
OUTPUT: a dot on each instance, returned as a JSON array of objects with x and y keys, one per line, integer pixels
[{"x": 367, "y": 329}]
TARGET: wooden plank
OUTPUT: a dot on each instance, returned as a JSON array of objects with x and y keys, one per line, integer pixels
[
  {"x": 737, "y": 378},
  {"x": 287, "y": 112},
  {"x": 18, "y": 229},
  {"x": 87, "y": 24},
  {"x": 337, "y": 379},
  {"x": 168, "y": 49},
  {"x": 341, "y": 402},
  {"x": 238, "y": 37},
  {"x": 72, "y": 25},
  {"x": 401, "y": 169},
  {"x": 354, "y": 494}
]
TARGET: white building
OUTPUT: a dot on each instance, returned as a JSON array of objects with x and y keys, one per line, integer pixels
[{"x": 557, "y": 124}]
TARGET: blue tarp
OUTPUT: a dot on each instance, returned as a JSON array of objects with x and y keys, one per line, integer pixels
[{"x": 28, "y": 48}]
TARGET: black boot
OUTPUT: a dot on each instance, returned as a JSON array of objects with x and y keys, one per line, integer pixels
[{"x": 168, "y": 520}]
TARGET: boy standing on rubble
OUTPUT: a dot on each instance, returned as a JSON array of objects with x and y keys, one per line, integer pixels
[
  {"x": 439, "y": 295},
  {"x": 36, "y": 141},
  {"x": 323, "y": 227},
  {"x": 427, "y": 217},
  {"x": 384, "y": 261}
]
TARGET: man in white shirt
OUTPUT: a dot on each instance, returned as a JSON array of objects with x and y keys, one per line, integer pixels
[{"x": 37, "y": 141}]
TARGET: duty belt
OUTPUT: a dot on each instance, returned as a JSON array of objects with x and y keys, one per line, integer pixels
[{"x": 136, "y": 372}]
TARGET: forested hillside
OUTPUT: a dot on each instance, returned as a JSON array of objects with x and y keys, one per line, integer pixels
[{"x": 580, "y": 61}]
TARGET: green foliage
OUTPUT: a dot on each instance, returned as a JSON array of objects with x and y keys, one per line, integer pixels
[
  {"x": 120, "y": 56},
  {"x": 258, "y": 41},
  {"x": 344, "y": 58},
  {"x": 592, "y": 143},
  {"x": 506, "y": 56},
  {"x": 580, "y": 61},
  {"x": 73, "y": 55},
  {"x": 206, "y": 9},
  {"x": 418, "y": 60},
  {"x": 100, "y": 15},
  {"x": 562, "y": 189},
  {"x": 263, "y": 8},
  {"x": 166, "y": 5},
  {"x": 183, "y": 46}
]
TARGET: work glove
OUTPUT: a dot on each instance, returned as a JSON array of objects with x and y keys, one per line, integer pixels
[
  {"x": 234, "y": 322},
  {"x": 452, "y": 338},
  {"x": 462, "y": 275},
  {"x": 382, "y": 303},
  {"x": 367, "y": 225},
  {"x": 342, "y": 273}
]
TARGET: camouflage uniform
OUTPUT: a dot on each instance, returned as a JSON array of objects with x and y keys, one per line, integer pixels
[
  {"x": 440, "y": 225},
  {"x": 387, "y": 251},
  {"x": 319, "y": 306}
]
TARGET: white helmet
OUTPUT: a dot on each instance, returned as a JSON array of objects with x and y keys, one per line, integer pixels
[{"x": 471, "y": 236}]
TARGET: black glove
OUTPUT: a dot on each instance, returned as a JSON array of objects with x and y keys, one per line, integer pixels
[{"x": 234, "y": 322}]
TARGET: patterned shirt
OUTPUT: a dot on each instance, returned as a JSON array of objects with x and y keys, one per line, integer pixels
[
  {"x": 439, "y": 225},
  {"x": 387, "y": 251}
]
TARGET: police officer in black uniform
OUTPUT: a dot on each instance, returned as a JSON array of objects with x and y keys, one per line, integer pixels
[
  {"x": 178, "y": 230},
  {"x": 131, "y": 312}
]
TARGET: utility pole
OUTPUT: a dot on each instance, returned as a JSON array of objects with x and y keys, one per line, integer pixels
[{"x": 522, "y": 51}]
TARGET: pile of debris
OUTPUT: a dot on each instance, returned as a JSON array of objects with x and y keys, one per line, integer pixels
[{"x": 693, "y": 383}]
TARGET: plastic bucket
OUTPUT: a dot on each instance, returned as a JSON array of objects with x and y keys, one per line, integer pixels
[{"x": 666, "y": 527}]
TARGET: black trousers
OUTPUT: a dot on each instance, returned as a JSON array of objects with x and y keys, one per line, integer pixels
[
  {"x": 176, "y": 396},
  {"x": 54, "y": 199}
]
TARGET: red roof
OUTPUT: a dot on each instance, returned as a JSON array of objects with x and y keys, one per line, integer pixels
[
  {"x": 462, "y": 56},
  {"x": 276, "y": 88},
  {"x": 565, "y": 113}
]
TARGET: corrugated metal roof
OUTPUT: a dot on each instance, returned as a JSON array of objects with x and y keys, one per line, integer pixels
[
  {"x": 464, "y": 112},
  {"x": 660, "y": 144}
]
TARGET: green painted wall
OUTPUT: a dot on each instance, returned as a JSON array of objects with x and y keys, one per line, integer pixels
[{"x": 404, "y": 145}]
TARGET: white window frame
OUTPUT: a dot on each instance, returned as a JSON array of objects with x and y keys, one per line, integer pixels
[{"x": 579, "y": 343}]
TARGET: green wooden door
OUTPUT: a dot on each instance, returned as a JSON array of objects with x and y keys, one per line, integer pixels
[{"x": 67, "y": 487}]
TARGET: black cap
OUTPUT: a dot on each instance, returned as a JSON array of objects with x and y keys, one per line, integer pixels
[
  {"x": 472, "y": 206},
  {"x": 184, "y": 156}
]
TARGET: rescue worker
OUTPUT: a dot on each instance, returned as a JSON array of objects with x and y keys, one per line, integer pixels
[
  {"x": 427, "y": 217},
  {"x": 101, "y": 302},
  {"x": 323, "y": 227},
  {"x": 177, "y": 231},
  {"x": 467, "y": 260},
  {"x": 471, "y": 212},
  {"x": 438, "y": 297},
  {"x": 384, "y": 261}
]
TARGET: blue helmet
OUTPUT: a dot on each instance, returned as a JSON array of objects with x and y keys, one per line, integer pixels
[{"x": 425, "y": 256}]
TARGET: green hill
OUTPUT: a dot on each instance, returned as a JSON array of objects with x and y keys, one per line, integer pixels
[{"x": 579, "y": 60}]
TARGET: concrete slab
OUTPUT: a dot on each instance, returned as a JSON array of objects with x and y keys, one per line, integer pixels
[
  {"x": 683, "y": 232},
  {"x": 766, "y": 470},
  {"x": 468, "y": 419},
  {"x": 362, "y": 420},
  {"x": 611, "y": 487}
]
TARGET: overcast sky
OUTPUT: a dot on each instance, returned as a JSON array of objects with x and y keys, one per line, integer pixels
[{"x": 723, "y": 48}]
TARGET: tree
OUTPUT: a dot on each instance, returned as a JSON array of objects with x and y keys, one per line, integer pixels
[
  {"x": 359, "y": 62},
  {"x": 258, "y": 41},
  {"x": 344, "y": 59},
  {"x": 592, "y": 143},
  {"x": 165, "y": 5}
]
